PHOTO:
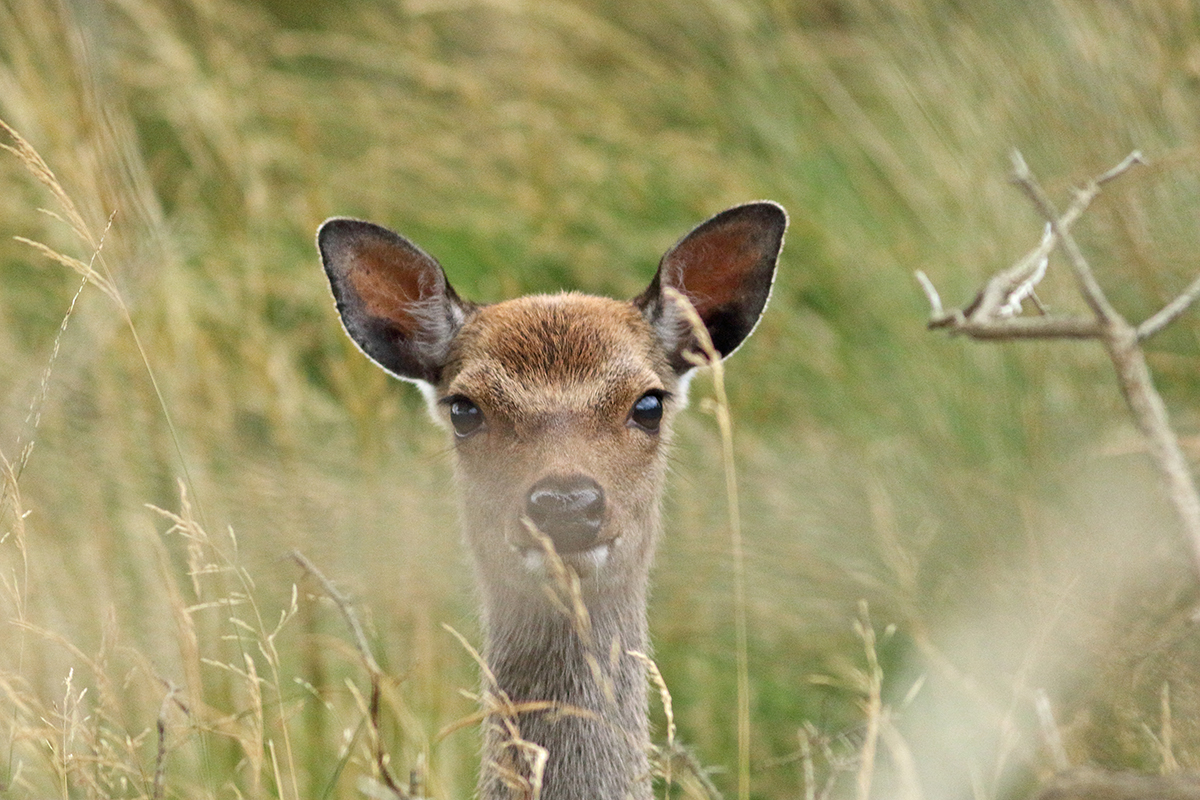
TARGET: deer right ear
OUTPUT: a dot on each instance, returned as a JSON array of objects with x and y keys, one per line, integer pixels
[
  {"x": 725, "y": 267},
  {"x": 393, "y": 298}
]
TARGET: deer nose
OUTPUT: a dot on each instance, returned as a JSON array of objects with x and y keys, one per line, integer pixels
[{"x": 568, "y": 510}]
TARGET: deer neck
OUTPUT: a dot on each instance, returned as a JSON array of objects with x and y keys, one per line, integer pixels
[{"x": 593, "y": 726}]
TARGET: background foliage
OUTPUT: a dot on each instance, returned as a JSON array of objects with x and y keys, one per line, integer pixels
[{"x": 991, "y": 503}]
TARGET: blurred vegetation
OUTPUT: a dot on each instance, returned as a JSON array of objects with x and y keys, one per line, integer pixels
[{"x": 991, "y": 503}]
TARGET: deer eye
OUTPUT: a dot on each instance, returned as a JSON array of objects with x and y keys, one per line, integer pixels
[
  {"x": 647, "y": 412},
  {"x": 465, "y": 416}
]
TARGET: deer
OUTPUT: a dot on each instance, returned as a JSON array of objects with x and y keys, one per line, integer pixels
[{"x": 560, "y": 410}]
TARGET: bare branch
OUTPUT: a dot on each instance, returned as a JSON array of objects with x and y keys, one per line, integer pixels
[
  {"x": 1031, "y": 275},
  {"x": 1002, "y": 295},
  {"x": 1170, "y": 312},
  {"x": 1028, "y": 328},
  {"x": 999, "y": 325},
  {"x": 1122, "y": 341},
  {"x": 1130, "y": 161},
  {"x": 992, "y": 316},
  {"x": 937, "y": 314},
  {"x": 1004, "y": 292},
  {"x": 1150, "y": 414},
  {"x": 1089, "y": 287}
]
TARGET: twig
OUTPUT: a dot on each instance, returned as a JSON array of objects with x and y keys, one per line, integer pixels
[
  {"x": 1133, "y": 374},
  {"x": 1053, "y": 327},
  {"x": 1170, "y": 312},
  {"x": 989, "y": 317},
  {"x": 1001, "y": 298},
  {"x": 1090, "y": 288},
  {"x": 364, "y": 650}
]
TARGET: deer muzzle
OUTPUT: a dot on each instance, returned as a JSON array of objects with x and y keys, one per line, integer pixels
[{"x": 569, "y": 510}]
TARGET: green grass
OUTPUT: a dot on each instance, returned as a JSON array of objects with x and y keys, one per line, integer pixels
[{"x": 992, "y": 502}]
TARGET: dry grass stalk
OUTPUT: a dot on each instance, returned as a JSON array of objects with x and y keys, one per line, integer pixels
[
  {"x": 563, "y": 588},
  {"x": 565, "y": 593},
  {"x": 808, "y": 772},
  {"x": 96, "y": 271},
  {"x": 28, "y": 155},
  {"x": 346, "y": 607},
  {"x": 524, "y": 762},
  {"x": 207, "y": 559},
  {"x": 15, "y": 589},
  {"x": 902, "y": 758},
  {"x": 857, "y": 752},
  {"x": 158, "y": 784},
  {"x": 719, "y": 408},
  {"x": 1166, "y": 738},
  {"x": 248, "y": 142},
  {"x": 835, "y": 756},
  {"x": 871, "y": 681},
  {"x": 664, "y": 695}
]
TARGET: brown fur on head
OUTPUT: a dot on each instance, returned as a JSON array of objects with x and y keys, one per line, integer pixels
[{"x": 555, "y": 378}]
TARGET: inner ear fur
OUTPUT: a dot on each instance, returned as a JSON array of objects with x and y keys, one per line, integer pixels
[
  {"x": 393, "y": 297},
  {"x": 725, "y": 267}
]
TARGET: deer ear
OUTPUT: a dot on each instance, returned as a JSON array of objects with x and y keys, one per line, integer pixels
[
  {"x": 725, "y": 267},
  {"x": 393, "y": 298}
]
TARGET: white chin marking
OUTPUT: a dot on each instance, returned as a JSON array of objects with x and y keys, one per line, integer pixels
[
  {"x": 594, "y": 557},
  {"x": 585, "y": 561},
  {"x": 535, "y": 560}
]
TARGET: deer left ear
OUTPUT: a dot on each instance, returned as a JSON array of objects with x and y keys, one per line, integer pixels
[
  {"x": 725, "y": 267},
  {"x": 393, "y": 298}
]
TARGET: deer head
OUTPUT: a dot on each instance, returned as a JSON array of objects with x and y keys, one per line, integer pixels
[{"x": 561, "y": 409}]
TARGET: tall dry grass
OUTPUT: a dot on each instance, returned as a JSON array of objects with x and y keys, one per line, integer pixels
[{"x": 991, "y": 505}]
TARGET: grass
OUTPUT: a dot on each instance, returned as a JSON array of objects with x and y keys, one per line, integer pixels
[{"x": 991, "y": 504}]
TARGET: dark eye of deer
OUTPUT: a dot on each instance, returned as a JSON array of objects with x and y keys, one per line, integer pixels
[
  {"x": 465, "y": 416},
  {"x": 648, "y": 411}
]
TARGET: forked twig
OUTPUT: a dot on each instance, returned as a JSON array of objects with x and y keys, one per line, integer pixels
[
  {"x": 991, "y": 316},
  {"x": 1089, "y": 286}
]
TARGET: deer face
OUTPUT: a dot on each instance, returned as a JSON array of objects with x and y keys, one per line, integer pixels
[
  {"x": 560, "y": 406},
  {"x": 561, "y": 409}
]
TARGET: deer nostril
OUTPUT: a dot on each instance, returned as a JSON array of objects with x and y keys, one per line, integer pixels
[{"x": 569, "y": 510}]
